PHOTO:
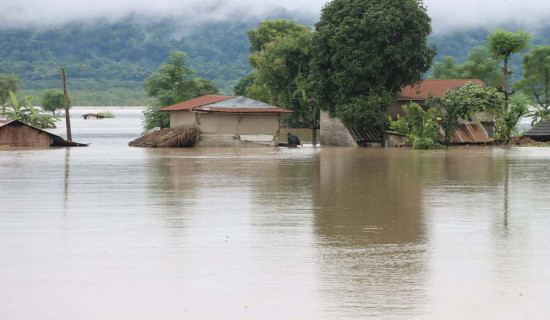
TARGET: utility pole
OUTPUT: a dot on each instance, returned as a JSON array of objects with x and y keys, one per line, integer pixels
[
  {"x": 314, "y": 110},
  {"x": 67, "y": 117}
]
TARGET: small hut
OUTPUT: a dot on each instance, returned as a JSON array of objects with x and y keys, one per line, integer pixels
[
  {"x": 540, "y": 132},
  {"x": 227, "y": 121},
  {"x": 14, "y": 133}
]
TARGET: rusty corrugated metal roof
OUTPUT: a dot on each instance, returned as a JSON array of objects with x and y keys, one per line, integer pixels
[
  {"x": 434, "y": 88},
  {"x": 469, "y": 133},
  {"x": 225, "y": 104}
]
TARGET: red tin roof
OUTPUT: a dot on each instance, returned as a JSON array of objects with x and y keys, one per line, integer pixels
[
  {"x": 225, "y": 104},
  {"x": 434, "y": 88},
  {"x": 196, "y": 102}
]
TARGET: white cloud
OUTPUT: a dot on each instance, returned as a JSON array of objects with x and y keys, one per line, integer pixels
[{"x": 445, "y": 14}]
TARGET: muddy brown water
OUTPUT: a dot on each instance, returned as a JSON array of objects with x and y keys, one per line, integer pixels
[{"x": 114, "y": 232}]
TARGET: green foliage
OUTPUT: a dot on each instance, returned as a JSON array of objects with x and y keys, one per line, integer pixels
[
  {"x": 270, "y": 30},
  {"x": 8, "y": 83},
  {"x": 281, "y": 67},
  {"x": 27, "y": 113},
  {"x": 401, "y": 125},
  {"x": 152, "y": 119},
  {"x": 205, "y": 86},
  {"x": 447, "y": 69},
  {"x": 106, "y": 114},
  {"x": 462, "y": 104},
  {"x": 53, "y": 100},
  {"x": 172, "y": 83},
  {"x": 507, "y": 121},
  {"x": 419, "y": 127},
  {"x": 502, "y": 44},
  {"x": 424, "y": 143},
  {"x": 536, "y": 81},
  {"x": 480, "y": 65},
  {"x": 240, "y": 87},
  {"x": 364, "y": 52}
]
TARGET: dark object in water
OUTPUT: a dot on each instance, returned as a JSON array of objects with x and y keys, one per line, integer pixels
[
  {"x": 167, "y": 138},
  {"x": 92, "y": 115}
]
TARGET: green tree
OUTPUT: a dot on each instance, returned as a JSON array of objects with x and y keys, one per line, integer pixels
[
  {"x": 502, "y": 44},
  {"x": 26, "y": 112},
  {"x": 364, "y": 51},
  {"x": 205, "y": 86},
  {"x": 418, "y": 125},
  {"x": 447, "y": 69},
  {"x": 53, "y": 100},
  {"x": 281, "y": 68},
  {"x": 270, "y": 30},
  {"x": 536, "y": 81},
  {"x": 8, "y": 83},
  {"x": 247, "y": 81},
  {"x": 173, "y": 82},
  {"x": 479, "y": 65},
  {"x": 462, "y": 104},
  {"x": 507, "y": 121}
]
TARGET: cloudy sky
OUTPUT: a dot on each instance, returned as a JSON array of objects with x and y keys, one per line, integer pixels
[{"x": 446, "y": 14}]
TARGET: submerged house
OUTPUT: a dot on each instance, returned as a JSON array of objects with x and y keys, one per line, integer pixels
[
  {"x": 17, "y": 134},
  {"x": 333, "y": 131},
  {"x": 228, "y": 121}
]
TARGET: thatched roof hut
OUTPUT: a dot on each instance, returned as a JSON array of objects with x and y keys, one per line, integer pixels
[{"x": 14, "y": 133}]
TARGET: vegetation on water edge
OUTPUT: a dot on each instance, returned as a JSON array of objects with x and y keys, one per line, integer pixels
[{"x": 106, "y": 114}]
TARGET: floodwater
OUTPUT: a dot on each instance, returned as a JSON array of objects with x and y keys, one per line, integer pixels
[{"x": 114, "y": 232}]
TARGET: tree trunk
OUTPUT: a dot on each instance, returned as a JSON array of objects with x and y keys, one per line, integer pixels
[{"x": 505, "y": 85}]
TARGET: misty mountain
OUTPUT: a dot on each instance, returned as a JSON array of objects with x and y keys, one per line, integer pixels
[{"x": 107, "y": 62}]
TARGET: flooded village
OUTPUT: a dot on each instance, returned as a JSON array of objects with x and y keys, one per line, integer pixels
[{"x": 353, "y": 169}]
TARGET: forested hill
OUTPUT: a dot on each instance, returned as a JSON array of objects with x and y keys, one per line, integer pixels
[{"x": 107, "y": 62}]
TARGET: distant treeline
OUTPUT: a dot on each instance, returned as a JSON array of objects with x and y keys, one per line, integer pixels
[{"x": 107, "y": 62}]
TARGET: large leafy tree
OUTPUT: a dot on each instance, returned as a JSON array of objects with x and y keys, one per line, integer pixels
[
  {"x": 173, "y": 82},
  {"x": 364, "y": 51},
  {"x": 536, "y": 80},
  {"x": 53, "y": 100},
  {"x": 8, "y": 83},
  {"x": 281, "y": 67},
  {"x": 502, "y": 44}
]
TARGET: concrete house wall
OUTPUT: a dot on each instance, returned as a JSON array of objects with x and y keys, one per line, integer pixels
[
  {"x": 229, "y": 129},
  {"x": 334, "y": 133}
]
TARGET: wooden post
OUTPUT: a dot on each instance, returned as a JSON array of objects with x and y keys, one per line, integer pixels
[
  {"x": 314, "y": 110},
  {"x": 67, "y": 117}
]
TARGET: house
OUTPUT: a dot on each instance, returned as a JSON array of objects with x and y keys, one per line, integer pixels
[
  {"x": 14, "y": 133},
  {"x": 228, "y": 121},
  {"x": 333, "y": 132},
  {"x": 540, "y": 132}
]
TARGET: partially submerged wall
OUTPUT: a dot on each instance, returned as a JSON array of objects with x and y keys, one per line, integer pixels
[
  {"x": 334, "y": 133},
  {"x": 23, "y": 136},
  {"x": 237, "y": 130}
]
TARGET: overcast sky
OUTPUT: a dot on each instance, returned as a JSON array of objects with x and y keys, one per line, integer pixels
[{"x": 446, "y": 14}]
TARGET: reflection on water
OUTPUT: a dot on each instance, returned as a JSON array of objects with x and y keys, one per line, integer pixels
[{"x": 113, "y": 232}]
